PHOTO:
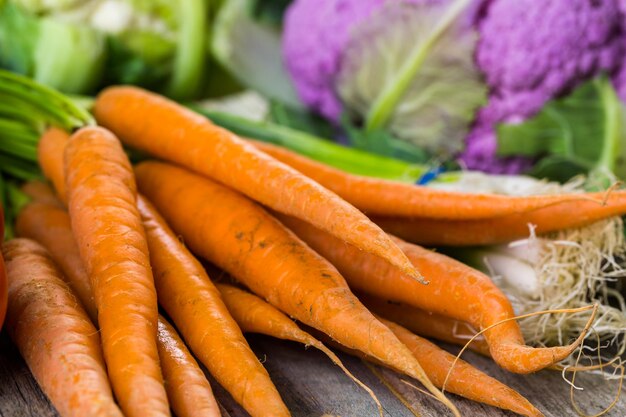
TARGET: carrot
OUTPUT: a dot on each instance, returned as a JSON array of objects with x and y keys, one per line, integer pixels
[
  {"x": 40, "y": 191},
  {"x": 378, "y": 197},
  {"x": 195, "y": 305},
  {"x": 464, "y": 380},
  {"x": 187, "y": 388},
  {"x": 153, "y": 124},
  {"x": 253, "y": 315},
  {"x": 500, "y": 229},
  {"x": 426, "y": 323},
  {"x": 50, "y": 226},
  {"x": 196, "y": 400},
  {"x": 51, "y": 144},
  {"x": 260, "y": 252},
  {"x": 458, "y": 291},
  {"x": 54, "y": 334},
  {"x": 107, "y": 227}
]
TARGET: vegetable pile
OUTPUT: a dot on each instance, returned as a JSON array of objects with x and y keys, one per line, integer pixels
[
  {"x": 99, "y": 252},
  {"x": 447, "y": 75}
]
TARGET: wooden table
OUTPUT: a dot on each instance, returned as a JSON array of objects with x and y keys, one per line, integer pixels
[{"x": 312, "y": 387}]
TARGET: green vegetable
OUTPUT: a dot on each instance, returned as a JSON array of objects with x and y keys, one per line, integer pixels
[
  {"x": 410, "y": 69},
  {"x": 26, "y": 108},
  {"x": 62, "y": 55},
  {"x": 157, "y": 44},
  {"x": 189, "y": 59},
  {"x": 582, "y": 133},
  {"x": 251, "y": 51}
]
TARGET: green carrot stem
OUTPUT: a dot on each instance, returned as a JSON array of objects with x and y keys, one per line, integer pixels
[
  {"x": 55, "y": 105},
  {"x": 19, "y": 168}
]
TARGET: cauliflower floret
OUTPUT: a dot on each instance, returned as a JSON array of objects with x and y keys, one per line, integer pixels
[{"x": 532, "y": 51}]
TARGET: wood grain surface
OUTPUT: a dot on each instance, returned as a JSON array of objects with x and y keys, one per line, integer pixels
[{"x": 313, "y": 387}]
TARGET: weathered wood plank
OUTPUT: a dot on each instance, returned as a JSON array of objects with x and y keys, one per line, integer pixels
[
  {"x": 312, "y": 386},
  {"x": 20, "y": 395}
]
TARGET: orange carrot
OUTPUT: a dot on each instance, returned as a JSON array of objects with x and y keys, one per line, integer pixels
[
  {"x": 50, "y": 226},
  {"x": 153, "y": 124},
  {"x": 464, "y": 380},
  {"x": 458, "y": 291},
  {"x": 195, "y": 305},
  {"x": 426, "y": 323},
  {"x": 41, "y": 192},
  {"x": 187, "y": 388},
  {"x": 260, "y": 252},
  {"x": 107, "y": 227},
  {"x": 53, "y": 143},
  {"x": 500, "y": 229},
  {"x": 54, "y": 335},
  {"x": 395, "y": 199},
  {"x": 253, "y": 315},
  {"x": 196, "y": 400}
]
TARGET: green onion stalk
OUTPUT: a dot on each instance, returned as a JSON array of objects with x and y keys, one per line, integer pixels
[{"x": 347, "y": 159}]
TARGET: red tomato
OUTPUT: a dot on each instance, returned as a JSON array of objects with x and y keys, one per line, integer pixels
[{"x": 3, "y": 275}]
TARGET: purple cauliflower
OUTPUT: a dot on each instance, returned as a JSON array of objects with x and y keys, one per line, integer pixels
[
  {"x": 532, "y": 51},
  {"x": 529, "y": 51},
  {"x": 315, "y": 35},
  {"x": 619, "y": 78}
]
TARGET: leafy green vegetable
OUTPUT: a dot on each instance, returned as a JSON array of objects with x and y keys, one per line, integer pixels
[
  {"x": 582, "y": 133},
  {"x": 62, "y": 55},
  {"x": 189, "y": 59},
  {"x": 69, "y": 58},
  {"x": 383, "y": 142},
  {"x": 251, "y": 51},
  {"x": 158, "y": 44},
  {"x": 300, "y": 119},
  {"x": 18, "y": 36},
  {"x": 410, "y": 69},
  {"x": 270, "y": 11}
]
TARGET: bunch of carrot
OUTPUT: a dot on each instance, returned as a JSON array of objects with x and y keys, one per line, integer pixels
[{"x": 291, "y": 231}]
